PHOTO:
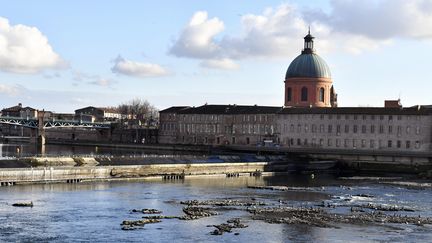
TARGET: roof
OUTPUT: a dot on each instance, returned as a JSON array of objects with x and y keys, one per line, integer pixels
[
  {"x": 17, "y": 108},
  {"x": 174, "y": 109},
  {"x": 88, "y": 107},
  {"x": 241, "y": 109},
  {"x": 416, "y": 110},
  {"x": 308, "y": 65},
  {"x": 231, "y": 109}
]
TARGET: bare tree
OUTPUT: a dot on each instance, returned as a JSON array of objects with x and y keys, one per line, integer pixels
[{"x": 138, "y": 109}]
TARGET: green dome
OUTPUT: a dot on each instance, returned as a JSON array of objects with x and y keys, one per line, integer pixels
[{"x": 308, "y": 65}]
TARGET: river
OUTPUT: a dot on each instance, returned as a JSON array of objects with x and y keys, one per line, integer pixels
[{"x": 93, "y": 212}]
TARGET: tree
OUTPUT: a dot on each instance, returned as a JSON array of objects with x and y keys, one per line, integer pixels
[{"x": 138, "y": 109}]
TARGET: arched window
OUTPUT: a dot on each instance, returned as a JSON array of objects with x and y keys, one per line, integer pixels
[
  {"x": 289, "y": 94},
  {"x": 304, "y": 94},
  {"x": 321, "y": 94}
]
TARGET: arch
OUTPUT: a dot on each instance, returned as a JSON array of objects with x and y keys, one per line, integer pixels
[
  {"x": 321, "y": 94},
  {"x": 304, "y": 94},
  {"x": 289, "y": 94}
]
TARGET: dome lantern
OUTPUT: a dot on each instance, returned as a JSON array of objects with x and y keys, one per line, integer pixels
[{"x": 308, "y": 44}]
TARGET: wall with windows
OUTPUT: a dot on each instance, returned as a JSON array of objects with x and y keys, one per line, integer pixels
[{"x": 356, "y": 131}]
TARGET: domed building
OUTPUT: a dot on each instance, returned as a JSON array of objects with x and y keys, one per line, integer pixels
[{"x": 308, "y": 80}]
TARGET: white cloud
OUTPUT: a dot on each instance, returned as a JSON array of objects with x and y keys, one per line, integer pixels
[
  {"x": 224, "y": 63},
  {"x": 103, "y": 82},
  {"x": 9, "y": 90},
  {"x": 197, "y": 38},
  {"x": 25, "y": 49},
  {"x": 137, "y": 69},
  {"x": 350, "y": 26}
]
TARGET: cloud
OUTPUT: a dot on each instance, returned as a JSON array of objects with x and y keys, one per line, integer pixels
[
  {"x": 379, "y": 20},
  {"x": 137, "y": 69},
  {"x": 10, "y": 90},
  {"x": 197, "y": 38},
  {"x": 225, "y": 63},
  {"x": 103, "y": 82},
  {"x": 350, "y": 26},
  {"x": 25, "y": 49}
]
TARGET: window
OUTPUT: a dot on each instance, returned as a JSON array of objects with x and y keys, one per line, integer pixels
[
  {"x": 298, "y": 141},
  {"x": 330, "y": 128},
  {"x": 299, "y": 128},
  {"x": 289, "y": 94},
  {"x": 389, "y": 143},
  {"x": 346, "y": 141},
  {"x": 233, "y": 140},
  {"x": 417, "y": 144},
  {"x": 417, "y": 130},
  {"x": 329, "y": 142},
  {"x": 338, "y": 129},
  {"x": 346, "y": 128},
  {"x": 321, "y": 142},
  {"x": 304, "y": 94},
  {"x": 390, "y": 118},
  {"x": 337, "y": 143},
  {"x": 398, "y": 144},
  {"x": 364, "y": 117},
  {"x": 372, "y": 129},
  {"x": 363, "y": 128},
  {"x": 390, "y": 129},
  {"x": 355, "y": 129},
  {"x": 372, "y": 144},
  {"x": 408, "y": 144},
  {"x": 408, "y": 129},
  {"x": 363, "y": 143},
  {"x": 321, "y": 128},
  {"x": 381, "y": 129},
  {"x": 321, "y": 94}
]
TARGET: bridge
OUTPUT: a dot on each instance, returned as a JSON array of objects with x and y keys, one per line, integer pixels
[
  {"x": 41, "y": 124},
  {"x": 34, "y": 123}
]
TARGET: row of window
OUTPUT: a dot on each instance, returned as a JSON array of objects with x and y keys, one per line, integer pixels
[
  {"x": 349, "y": 117},
  {"x": 354, "y": 143},
  {"x": 350, "y": 128},
  {"x": 217, "y": 128},
  {"x": 304, "y": 94}
]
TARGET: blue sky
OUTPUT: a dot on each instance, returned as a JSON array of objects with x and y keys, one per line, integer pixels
[{"x": 64, "y": 55}]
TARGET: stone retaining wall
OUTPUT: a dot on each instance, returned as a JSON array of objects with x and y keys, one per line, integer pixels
[{"x": 59, "y": 174}]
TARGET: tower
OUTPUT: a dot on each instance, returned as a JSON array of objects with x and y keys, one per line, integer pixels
[{"x": 308, "y": 80}]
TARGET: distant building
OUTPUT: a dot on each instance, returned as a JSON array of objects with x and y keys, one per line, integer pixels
[
  {"x": 309, "y": 120},
  {"x": 97, "y": 114},
  {"x": 20, "y": 111}
]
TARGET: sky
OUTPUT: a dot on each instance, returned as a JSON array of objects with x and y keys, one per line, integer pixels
[{"x": 65, "y": 55}]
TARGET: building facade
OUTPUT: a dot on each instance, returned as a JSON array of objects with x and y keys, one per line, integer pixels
[{"x": 310, "y": 119}]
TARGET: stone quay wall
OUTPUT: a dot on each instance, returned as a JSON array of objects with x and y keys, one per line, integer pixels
[{"x": 11, "y": 176}]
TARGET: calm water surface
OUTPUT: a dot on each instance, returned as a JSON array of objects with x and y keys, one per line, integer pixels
[{"x": 92, "y": 212}]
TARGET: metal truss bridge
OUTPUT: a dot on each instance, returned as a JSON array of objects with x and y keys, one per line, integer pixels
[{"x": 34, "y": 123}]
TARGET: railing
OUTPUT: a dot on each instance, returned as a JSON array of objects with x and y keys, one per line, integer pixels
[{"x": 33, "y": 123}]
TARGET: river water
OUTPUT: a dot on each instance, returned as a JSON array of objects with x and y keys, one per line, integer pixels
[{"x": 92, "y": 212}]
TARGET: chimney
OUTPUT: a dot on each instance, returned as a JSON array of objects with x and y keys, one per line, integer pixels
[
  {"x": 19, "y": 104},
  {"x": 392, "y": 104}
]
